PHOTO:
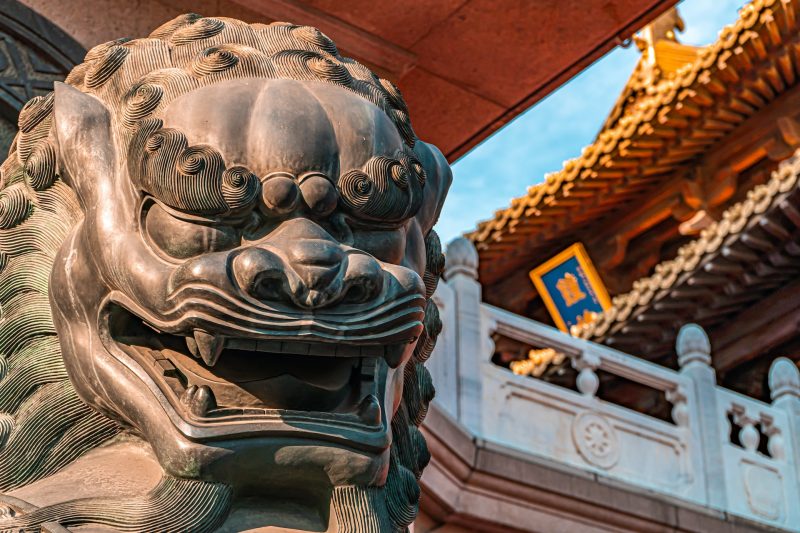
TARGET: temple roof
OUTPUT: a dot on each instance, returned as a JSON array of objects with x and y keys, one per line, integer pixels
[
  {"x": 650, "y": 134},
  {"x": 662, "y": 57},
  {"x": 752, "y": 251}
]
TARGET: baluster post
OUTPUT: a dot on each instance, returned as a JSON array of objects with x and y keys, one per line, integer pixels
[
  {"x": 784, "y": 388},
  {"x": 461, "y": 274},
  {"x": 587, "y": 381},
  {"x": 694, "y": 359}
]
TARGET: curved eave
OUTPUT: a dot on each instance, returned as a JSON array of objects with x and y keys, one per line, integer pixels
[
  {"x": 752, "y": 251},
  {"x": 752, "y": 63}
]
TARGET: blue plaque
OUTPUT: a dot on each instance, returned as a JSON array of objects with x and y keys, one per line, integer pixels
[{"x": 570, "y": 288}]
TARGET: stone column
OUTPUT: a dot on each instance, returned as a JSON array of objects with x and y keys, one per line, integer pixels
[
  {"x": 461, "y": 274},
  {"x": 784, "y": 388},
  {"x": 694, "y": 358}
]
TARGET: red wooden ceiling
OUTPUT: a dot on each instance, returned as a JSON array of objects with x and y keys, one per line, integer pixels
[{"x": 466, "y": 67}]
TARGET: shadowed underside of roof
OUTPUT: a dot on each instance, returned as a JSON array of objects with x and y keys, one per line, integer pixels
[{"x": 751, "y": 252}]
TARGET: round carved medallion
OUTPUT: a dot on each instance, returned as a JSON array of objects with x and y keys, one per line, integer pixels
[{"x": 596, "y": 440}]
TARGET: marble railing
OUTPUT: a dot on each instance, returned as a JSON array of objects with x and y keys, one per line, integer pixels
[{"x": 719, "y": 449}]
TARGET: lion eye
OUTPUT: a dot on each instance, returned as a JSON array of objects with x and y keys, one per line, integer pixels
[{"x": 182, "y": 239}]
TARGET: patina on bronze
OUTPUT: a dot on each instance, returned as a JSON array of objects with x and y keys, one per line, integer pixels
[{"x": 232, "y": 224}]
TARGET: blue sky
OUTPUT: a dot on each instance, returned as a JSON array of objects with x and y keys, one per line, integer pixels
[{"x": 555, "y": 129}]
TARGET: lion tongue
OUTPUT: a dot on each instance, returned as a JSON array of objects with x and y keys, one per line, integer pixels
[{"x": 205, "y": 346}]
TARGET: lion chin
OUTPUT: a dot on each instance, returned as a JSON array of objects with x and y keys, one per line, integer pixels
[{"x": 241, "y": 226}]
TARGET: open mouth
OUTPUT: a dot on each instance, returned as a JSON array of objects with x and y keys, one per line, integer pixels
[{"x": 212, "y": 379}]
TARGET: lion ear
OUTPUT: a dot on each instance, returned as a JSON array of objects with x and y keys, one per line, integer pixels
[
  {"x": 439, "y": 177},
  {"x": 83, "y": 133}
]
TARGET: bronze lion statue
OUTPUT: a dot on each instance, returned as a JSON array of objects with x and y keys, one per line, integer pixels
[{"x": 216, "y": 265}]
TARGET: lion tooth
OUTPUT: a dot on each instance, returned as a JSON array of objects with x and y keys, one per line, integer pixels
[
  {"x": 192, "y": 345},
  {"x": 369, "y": 410},
  {"x": 199, "y": 400},
  {"x": 394, "y": 354},
  {"x": 188, "y": 394},
  {"x": 204, "y": 400},
  {"x": 209, "y": 346}
]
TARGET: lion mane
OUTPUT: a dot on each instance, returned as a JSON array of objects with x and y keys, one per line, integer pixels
[{"x": 44, "y": 426}]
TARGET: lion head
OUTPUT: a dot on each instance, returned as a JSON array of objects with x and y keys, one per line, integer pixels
[{"x": 232, "y": 224}]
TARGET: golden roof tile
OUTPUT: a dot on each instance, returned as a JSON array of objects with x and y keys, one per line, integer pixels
[{"x": 649, "y": 122}]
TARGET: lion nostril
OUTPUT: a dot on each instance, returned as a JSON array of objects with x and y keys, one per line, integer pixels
[
  {"x": 269, "y": 288},
  {"x": 260, "y": 274},
  {"x": 356, "y": 294},
  {"x": 364, "y": 278}
]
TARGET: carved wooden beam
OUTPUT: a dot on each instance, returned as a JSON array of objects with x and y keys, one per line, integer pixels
[
  {"x": 766, "y": 324},
  {"x": 757, "y": 136},
  {"x": 514, "y": 291},
  {"x": 773, "y": 132},
  {"x": 790, "y": 130},
  {"x": 610, "y": 247}
]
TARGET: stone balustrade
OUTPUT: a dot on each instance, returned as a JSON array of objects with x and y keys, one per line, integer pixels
[{"x": 720, "y": 449}]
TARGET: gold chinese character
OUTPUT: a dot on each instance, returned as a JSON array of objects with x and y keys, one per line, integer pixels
[
  {"x": 586, "y": 318},
  {"x": 570, "y": 289}
]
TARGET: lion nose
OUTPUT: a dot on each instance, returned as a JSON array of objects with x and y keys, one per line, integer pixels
[
  {"x": 318, "y": 262},
  {"x": 299, "y": 262},
  {"x": 309, "y": 274}
]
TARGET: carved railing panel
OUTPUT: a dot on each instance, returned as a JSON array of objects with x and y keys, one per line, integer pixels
[
  {"x": 581, "y": 429},
  {"x": 720, "y": 449}
]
